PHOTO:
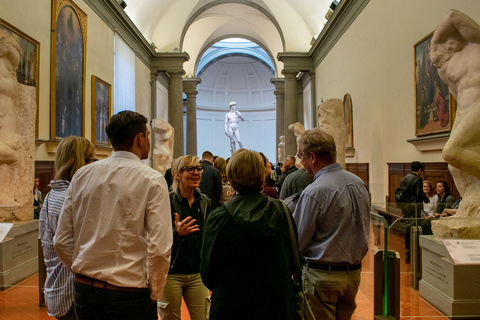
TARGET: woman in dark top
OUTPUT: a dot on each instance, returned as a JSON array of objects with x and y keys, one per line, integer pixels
[
  {"x": 190, "y": 209},
  {"x": 246, "y": 257},
  {"x": 445, "y": 199},
  {"x": 269, "y": 184}
]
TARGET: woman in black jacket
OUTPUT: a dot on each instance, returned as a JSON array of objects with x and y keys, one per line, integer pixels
[
  {"x": 190, "y": 209},
  {"x": 246, "y": 257}
]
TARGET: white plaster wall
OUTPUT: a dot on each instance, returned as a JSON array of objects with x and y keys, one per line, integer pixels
[
  {"x": 257, "y": 132},
  {"x": 161, "y": 108},
  {"x": 142, "y": 89},
  {"x": 36, "y": 23},
  {"x": 373, "y": 61},
  {"x": 34, "y": 19},
  {"x": 307, "y": 107}
]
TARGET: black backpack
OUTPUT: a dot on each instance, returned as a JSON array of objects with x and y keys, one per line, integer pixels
[{"x": 402, "y": 194}]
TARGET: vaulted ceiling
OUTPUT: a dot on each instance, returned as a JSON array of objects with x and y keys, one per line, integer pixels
[{"x": 193, "y": 26}]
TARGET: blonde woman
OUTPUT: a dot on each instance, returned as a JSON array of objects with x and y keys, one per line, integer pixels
[
  {"x": 190, "y": 209},
  {"x": 430, "y": 206},
  {"x": 72, "y": 154}
]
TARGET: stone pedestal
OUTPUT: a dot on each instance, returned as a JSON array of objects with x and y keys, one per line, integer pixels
[
  {"x": 453, "y": 289},
  {"x": 19, "y": 254}
]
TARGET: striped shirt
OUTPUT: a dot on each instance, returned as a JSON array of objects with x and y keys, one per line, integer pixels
[{"x": 59, "y": 283}]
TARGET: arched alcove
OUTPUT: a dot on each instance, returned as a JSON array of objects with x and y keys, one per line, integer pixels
[{"x": 235, "y": 70}]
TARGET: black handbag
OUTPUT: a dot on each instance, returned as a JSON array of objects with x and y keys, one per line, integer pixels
[{"x": 303, "y": 310}]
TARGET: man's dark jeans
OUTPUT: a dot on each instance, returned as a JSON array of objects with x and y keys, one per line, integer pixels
[{"x": 97, "y": 303}]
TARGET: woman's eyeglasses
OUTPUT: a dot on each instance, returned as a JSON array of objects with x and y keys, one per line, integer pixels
[{"x": 191, "y": 169}]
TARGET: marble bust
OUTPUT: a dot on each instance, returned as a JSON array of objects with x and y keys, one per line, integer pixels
[
  {"x": 163, "y": 150},
  {"x": 331, "y": 119}
]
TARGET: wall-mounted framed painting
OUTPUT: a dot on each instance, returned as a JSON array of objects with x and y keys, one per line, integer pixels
[
  {"x": 28, "y": 70},
  {"x": 347, "y": 107},
  {"x": 433, "y": 102},
  {"x": 101, "y": 110},
  {"x": 67, "y": 88}
]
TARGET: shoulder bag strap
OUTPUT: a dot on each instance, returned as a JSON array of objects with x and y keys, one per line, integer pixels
[{"x": 296, "y": 255}]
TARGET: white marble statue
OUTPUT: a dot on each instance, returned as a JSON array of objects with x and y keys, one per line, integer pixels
[
  {"x": 455, "y": 51},
  {"x": 163, "y": 150},
  {"x": 298, "y": 129},
  {"x": 17, "y": 136},
  {"x": 231, "y": 126},
  {"x": 281, "y": 150},
  {"x": 331, "y": 118}
]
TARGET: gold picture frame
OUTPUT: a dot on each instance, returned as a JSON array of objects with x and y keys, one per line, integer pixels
[
  {"x": 434, "y": 103},
  {"x": 348, "y": 114},
  {"x": 28, "y": 71},
  {"x": 101, "y": 110},
  {"x": 67, "y": 74}
]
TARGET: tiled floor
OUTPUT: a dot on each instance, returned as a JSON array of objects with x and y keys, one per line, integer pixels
[{"x": 21, "y": 301}]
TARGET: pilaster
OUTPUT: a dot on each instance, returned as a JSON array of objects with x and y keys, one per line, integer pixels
[{"x": 190, "y": 89}]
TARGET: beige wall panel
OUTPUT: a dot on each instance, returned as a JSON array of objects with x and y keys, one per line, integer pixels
[
  {"x": 373, "y": 61},
  {"x": 34, "y": 19},
  {"x": 142, "y": 89}
]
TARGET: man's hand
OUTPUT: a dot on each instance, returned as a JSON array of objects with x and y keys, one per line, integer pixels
[{"x": 185, "y": 226}]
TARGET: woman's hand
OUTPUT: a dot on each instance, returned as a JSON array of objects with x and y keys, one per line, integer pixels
[{"x": 185, "y": 226}]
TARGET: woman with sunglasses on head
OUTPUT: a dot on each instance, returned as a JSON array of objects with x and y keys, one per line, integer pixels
[
  {"x": 190, "y": 209},
  {"x": 72, "y": 154}
]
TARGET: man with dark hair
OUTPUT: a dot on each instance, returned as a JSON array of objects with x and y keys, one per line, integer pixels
[
  {"x": 333, "y": 220},
  {"x": 211, "y": 183},
  {"x": 290, "y": 168},
  {"x": 413, "y": 199},
  {"x": 114, "y": 231}
]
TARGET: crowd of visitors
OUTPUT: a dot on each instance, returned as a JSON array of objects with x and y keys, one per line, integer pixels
[{"x": 121, "y": 241}]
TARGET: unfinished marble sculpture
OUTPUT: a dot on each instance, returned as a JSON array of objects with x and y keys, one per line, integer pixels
[
  {"x": 331, "y": 119},
  {"x": 455, "y": 51},
  {"x": 281, "y": 150},
  {"x": 17, "y": 136},
  {"x": 163, "y": 150},
  {"x": 298, "y": 129}
]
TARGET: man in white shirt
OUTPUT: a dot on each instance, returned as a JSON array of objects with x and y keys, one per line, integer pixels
[{"x": 114, "y": 231}]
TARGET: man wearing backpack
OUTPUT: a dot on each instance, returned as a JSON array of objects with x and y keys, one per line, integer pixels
[{"x": 411, "y": 195}]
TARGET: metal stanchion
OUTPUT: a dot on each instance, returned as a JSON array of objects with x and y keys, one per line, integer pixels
[
  {"x": 387, "y": 285},
  {"x": 415, "y": 258}
]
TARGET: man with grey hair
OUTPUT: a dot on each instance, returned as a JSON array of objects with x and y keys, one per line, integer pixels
[
  {"x": 231, "y": 126},
  {"x": 332, "y": 216}
]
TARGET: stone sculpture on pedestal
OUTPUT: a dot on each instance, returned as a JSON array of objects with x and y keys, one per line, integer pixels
[
  {"x": 163, "y": 150},
  {"x": 298, "y": 129},
  {"x": 455, "y": 51},
  {"x": 17, "y": 136},
  {"x": 281, "y": 150},
  {"x": 332, "y": 120}
]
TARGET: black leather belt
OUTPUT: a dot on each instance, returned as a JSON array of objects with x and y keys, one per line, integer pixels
[
  {"x": 333, "y": 267},
  {"x": 80, "y": 278}
]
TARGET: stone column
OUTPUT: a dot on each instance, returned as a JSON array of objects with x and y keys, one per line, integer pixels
[
  {"x": 190, "y": 89},
  {"x": 172, "y": 64},
  {"x": 153, "y": 110},
  {"x": 291, "y": 112},
  {"x": 301, "y": 112},
  {"x": 279, "y": 92},
  {"x": 175, "y": 111},
  {"x": 314, "y": 100}
]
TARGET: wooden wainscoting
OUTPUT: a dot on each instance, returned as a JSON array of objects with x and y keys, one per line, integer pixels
[
  {"x": 434, "y": 171},
  {"x": 360, "y": 170},
  {"x": 44, "y": 170}
]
